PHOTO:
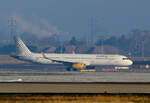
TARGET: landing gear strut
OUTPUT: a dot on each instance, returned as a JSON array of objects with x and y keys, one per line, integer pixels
[
  {"x": 74, "y": 69},
  {"x": 68, "y": 69},
  {"x": 71, "y": 69}
]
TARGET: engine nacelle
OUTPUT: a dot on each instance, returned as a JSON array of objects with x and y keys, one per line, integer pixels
[{"x": 78, "y": 66}]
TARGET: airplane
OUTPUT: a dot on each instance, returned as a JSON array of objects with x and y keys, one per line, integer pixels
[{"x": 72, "y": 61}]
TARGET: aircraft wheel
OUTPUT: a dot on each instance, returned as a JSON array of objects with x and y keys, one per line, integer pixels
[
  {"x": 90, "y": 67},
  {"x": 74, "y": 69},
  {"x": 68, "y": 69}
]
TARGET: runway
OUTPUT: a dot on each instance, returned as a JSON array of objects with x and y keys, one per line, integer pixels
[
  {"x": 75, "y": 82},
  {"x": 46, "y": 79},
  {"x": 76, "y": 76},
  {"x": 75, "y": 87}
]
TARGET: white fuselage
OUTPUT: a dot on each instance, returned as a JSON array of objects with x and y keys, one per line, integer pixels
[{"x": 88, "y": 59}]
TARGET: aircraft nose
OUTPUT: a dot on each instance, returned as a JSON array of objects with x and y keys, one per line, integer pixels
[{"x": 130, "y": 62}]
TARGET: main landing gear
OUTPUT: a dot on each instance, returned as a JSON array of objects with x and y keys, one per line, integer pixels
[
  {"x": 71, "y": 69},
  {"x": 87, "y": 69}
]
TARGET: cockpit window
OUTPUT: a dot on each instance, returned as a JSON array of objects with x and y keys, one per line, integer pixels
[{"x": 125, "y": 58}]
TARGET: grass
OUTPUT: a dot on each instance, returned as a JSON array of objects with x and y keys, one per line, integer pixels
[{"x": 74, "y": 98}]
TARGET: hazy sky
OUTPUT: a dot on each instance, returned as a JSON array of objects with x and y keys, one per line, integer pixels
[{"x": 116, "y": 16}]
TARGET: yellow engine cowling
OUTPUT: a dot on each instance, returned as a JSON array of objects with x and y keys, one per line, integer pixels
[{"x": 78, "y": 66}]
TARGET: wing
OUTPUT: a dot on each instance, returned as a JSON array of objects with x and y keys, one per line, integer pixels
[{"x": 64, "y": 61}]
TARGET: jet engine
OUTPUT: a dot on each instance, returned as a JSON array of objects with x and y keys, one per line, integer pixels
[{"x": 78, "y": 66}]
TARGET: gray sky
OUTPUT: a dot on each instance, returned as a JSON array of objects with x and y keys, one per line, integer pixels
[{"x": 116, "y": 16}]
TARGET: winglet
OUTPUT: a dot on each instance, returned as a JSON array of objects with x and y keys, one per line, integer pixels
[{"x": 43, "y": 55}]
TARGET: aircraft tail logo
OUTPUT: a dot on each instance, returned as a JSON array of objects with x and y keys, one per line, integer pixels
[{"x": 21, "y": 48}]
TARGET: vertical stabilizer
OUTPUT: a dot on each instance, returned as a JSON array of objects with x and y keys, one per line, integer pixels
[{"x": 21, "y": 48}]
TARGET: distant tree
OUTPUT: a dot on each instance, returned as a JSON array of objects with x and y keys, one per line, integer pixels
[
  {"x": 123, "y": 43},
  {"x": 110, "y": 41},
  {"x": 60, "y": 49},
  {"x": 73, "y": 41}
]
